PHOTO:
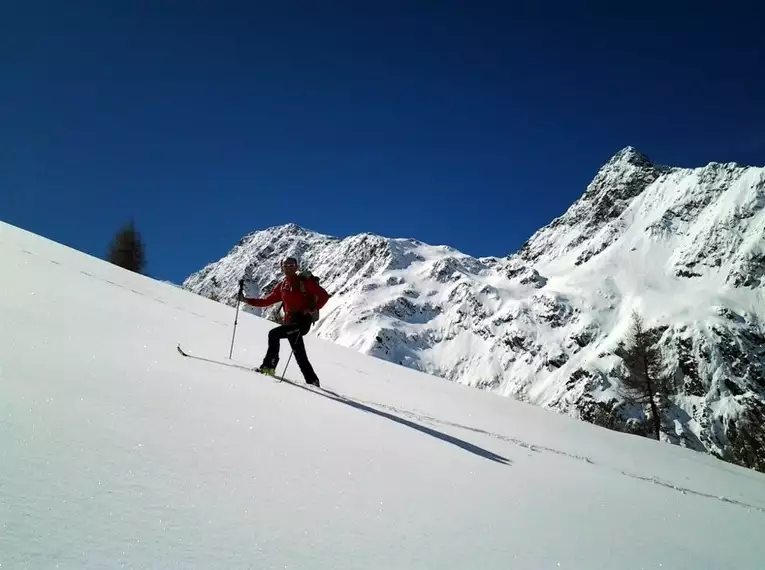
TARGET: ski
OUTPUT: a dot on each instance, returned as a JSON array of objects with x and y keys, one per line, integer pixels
[
  {"x": 213, "y": 361},
  {"x": 254, "y": 369}
]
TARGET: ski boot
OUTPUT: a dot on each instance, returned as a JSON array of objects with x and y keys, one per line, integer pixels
[{"x": 313, "y": 382}]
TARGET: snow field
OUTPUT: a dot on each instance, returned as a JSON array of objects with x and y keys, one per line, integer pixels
[{"x": 115, "y": 451}]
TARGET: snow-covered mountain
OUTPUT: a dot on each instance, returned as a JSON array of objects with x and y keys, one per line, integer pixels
[{"x": 682, "y": 246}]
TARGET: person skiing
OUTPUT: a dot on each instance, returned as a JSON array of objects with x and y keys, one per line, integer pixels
[{"x": 302, "y": 298}]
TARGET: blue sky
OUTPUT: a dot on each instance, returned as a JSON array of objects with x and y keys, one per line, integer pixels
[{"x": 463, "y": 123}]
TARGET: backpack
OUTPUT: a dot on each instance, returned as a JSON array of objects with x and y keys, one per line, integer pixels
[{"x": 304, "y": 276}]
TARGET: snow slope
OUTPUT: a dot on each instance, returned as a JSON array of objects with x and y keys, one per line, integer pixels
[
  {"x": 682, "y": 246},
  {"x": 115, "y": 451}
]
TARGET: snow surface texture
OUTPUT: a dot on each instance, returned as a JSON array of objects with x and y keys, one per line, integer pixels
[
  {"x": 682, "y": 246},
  {"x": 116, "y": 451}
]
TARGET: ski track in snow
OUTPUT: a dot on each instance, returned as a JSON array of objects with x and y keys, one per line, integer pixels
[
  {"x": 375, "y": 407},
  {"x": 135, "y": 291},
  {"x": 685, "y": 490},
  {"x": 540, "y": 448}
]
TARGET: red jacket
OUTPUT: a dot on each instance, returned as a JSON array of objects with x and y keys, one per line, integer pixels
[{"x": 295, "y": 301}]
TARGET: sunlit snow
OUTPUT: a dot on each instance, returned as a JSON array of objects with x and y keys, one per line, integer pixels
[{"x": 116, "y": 451}]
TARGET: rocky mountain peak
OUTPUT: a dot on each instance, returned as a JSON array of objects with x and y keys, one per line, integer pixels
[
  {"x": 629, "y": 155},
  {"x": 616, "y": 184},
  {"x": 623, "y": 177}
]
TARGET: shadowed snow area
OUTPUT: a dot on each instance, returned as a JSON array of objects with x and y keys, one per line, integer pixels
[{"x": 116, "y": 450}]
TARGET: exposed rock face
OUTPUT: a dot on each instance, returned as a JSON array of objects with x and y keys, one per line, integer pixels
[{"x": 683, "y": 246}]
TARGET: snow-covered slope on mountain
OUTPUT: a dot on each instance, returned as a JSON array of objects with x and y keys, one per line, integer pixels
[
  {"x": 682, "y": 246},
  {"x": 115, "y": 451}
]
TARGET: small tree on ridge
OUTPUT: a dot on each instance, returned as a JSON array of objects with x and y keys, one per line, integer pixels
[{"x": 127, "y": 250}]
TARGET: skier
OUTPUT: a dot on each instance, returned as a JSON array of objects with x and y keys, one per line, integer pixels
[{"x": 302, "y": 298}]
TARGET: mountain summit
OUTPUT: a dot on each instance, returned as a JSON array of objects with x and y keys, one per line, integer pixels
[
  {"x": 683, "y": 247},
  {"x": 630, "y": 155}
]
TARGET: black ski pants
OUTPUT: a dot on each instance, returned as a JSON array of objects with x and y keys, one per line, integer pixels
[{"x": 294, "y": 333}]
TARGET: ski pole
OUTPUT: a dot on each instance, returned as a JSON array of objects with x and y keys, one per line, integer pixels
[
  {"x": 290, "y": 357},
  {"x": 236, "y": 318}
]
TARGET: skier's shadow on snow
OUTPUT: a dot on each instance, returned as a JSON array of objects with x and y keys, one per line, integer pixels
[
  {"x": 330, "y": 395},
  {"x": 467, "y": 446}
]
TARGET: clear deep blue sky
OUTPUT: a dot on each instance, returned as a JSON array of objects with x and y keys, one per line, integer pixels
[{"x": 468, "y": 123}]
